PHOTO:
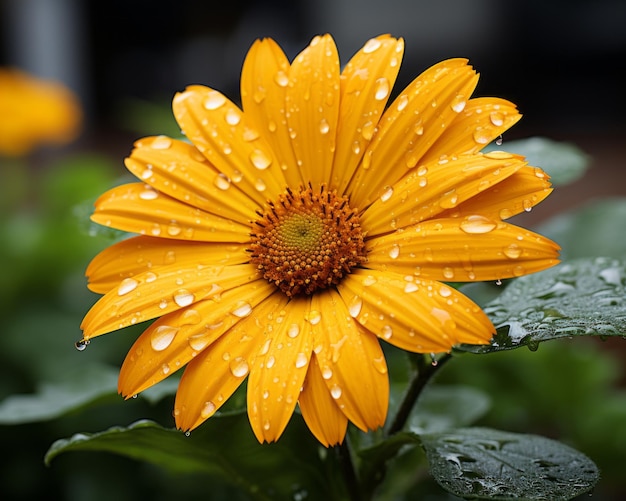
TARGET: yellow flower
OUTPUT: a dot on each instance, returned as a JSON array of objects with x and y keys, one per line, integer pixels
[
  {"x": 35, "y": 112},
  {"x": 290, "y": 236}
]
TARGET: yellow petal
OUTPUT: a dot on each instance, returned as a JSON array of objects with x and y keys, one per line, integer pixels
[
  {"x": 410, "y": 126},
  {"x": 435, "y": 187},
  {"x": 481, "y": 121},
  {"x": 518, "y": 193},
  {"x": 141, "y": 254},
  {"x": 211, "y": 378},
  {"x": 351, "y": 361},
  {"x": 462, "y": 249},
  {"x": 312, "y": 105},
  {"x": 278, "y": 371},
  {"x": 156, "y": 293},
  {"x": 419, "y": 315},
  {"x": 138, "y": 208},
  {"x": 264, "y": 80},
  {"x": 181, "y": 171},
  {"x": 319, "y": 410},
  {"x": 174, "y": 339},
  {"x": 218, "y": 128},
  {"x": 366, "y": 83}
]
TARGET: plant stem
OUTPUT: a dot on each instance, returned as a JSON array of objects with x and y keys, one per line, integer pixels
[
  {"x": 425, "y": 370},
  {"x": 349, "y": 473}
]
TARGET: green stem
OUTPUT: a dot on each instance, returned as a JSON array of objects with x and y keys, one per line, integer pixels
[
  {"x": 348, "y": 470},
  {"x": 425, "y": 371}
]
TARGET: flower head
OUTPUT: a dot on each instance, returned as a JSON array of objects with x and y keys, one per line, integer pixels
[
  {"x": 35, "y": 112},
  {"x": 291, "y": 235}
]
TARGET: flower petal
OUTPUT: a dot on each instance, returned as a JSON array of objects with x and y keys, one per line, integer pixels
[
  {"x": 156, "y": 293},
  {"x": 264, "y": 80},
  {"x": 518, "y": 193},
  {"x": 319, "y": 410},
  {"x": 181, "y": 171},
  {"x": 312, "y": 105},
  {"x": 142, "y": 254},
  {"x": 436, "y": 187},
  {"x": 138, "y": 208},
  {"x": 366, "y": 83},
  {"x": 351, "y": 361},
  {"x": 422, "y": 316},
  {"x": 278, "y": 371},
  {"x": 410, "y": 126},
  {"x": 481, "y": 121},
  {"x": 175, "y": 339},
  {"x": 225, "y": 136},
  {"x": 462, "y": 249},
  {"x": 217, "y": 372}
]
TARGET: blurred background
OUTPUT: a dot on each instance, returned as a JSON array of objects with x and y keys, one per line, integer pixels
[{"x": 559, "y": 61}]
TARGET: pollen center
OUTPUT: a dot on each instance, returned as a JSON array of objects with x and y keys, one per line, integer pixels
[{"x": 307, "y": 240}]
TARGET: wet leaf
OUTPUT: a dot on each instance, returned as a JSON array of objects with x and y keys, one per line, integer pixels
[
  {"x": 482, "y": 463},
  {"x": 583, "y": 297},
  {"x": 223, "y": 448},
  {"x": 564, "y": 162}
]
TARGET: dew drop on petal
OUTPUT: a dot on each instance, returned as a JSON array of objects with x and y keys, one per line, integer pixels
[
  {"x": 481, "y": 136},
  {"x": 183, "y": 298},
  {"x": 293, "y": 331},
  {"x": 81, "y": 344},
  {"x": 269, "y": 363},
  {"x": 380, "y": 365},
  {"x": 127, "y": 285},
  {"x": 410, "y": 287},
  {"x": 214, "y": 100},
  {"x": 403, "y": 100},
  {"x": 448, "y": 273},
  {"x": 149, "y": 194},
  {"x": 173, "y": 229},
  {"x": 207, "y": 410},
  {"x": 394, "y": 251},
  {"x": 162, "y": 337},
  {"x": 496, "y": 118},
  {"x": 221, "y": 181},
  {"x": 386, "y": 194},
  {"x": 238, "y": 367},
  {"x": 458, "y": 104},
  {"x": 232, "y": 116},
  {"x": 327, "y": 373},
  {"x": 165, "y": 369},
  {"x": 150, "y": 277},
  {"x": 314, "y": 317},
  {"x": 161, "y": 143},
  {"x": 369, "y": 280},
  {"x": 281, "y": 78},
  {"x": 335, "y": 392},
  {"x": 371, "y": 45},
  {"x": 477, "y": 224},
  {"x": 260, "y": 185},
  {"x": 301, "y": 360},
  {"x": 513, "y": 251},
  {"x": 445, "y": 291},
  {"x": 260, "y": 159},
  {"x": 324, "y": 126},
  {"x": 242, "y": 310},
  {"x": 199, "y": 342},
  {"x": 387, "y": 332},
  {"x": 163, "y": 304},
  {"x": 382, "y": 89},
  {"x": 355, "y": 306}
]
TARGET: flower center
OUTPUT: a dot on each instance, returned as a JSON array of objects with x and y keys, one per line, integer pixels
[{"x": 307, "y": 240}]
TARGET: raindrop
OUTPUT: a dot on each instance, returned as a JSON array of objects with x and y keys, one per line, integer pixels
[
  {"x": 355, "y": 306},
  {"x": 183, "y": 298},
  {"x": 496, "y": 118},
  {"x": 403, "y": 100},
  {"x": 371, "y": 45},
  {"x": 369, "y": 280},
  {"x": 214, "y": 100},
  {"x": 232, "y": 116},
  {"x": 242, "y": 310},
  {"x": 149, "y": 194},
  {"x": 239, "y": 367},
  {"x": 190, "y": 317},
  {"x": 327, "y": 373},
  {"x": 449, "y": 201},
  {"x": 147, "y": 173},
  {"x": 301, "y": 360},
  {"x": 165, "y": 369},
  {"x": 162, "y": 337},
  {"x": 293, "y": 331},
  {"x": 207, "y": 409},
  {"x": 394, "y": 251},
  {"x": 260, "y": 185},
  {"x": 448, "y": 273},
  {"x": 410, "y": 287},
  {"x": 513, "y": 251},
  {"x": 386, "y": 194},
  {"x": 382, "y": 89},
  {"x": 481, "y": 136},
  {"x": 356, "y": 148},
  {"x": 173, "y": 229},
  {"x": 335, "y": 392},
  {"x": 458, "y": 104},
  {"x": 499, "y": 140},
  {"x": 81, "y": 344},
  {"x": 221, "y": 181},
  {"x": 324, "y": 126},
  {"x": 367, "y": 131},
  {"x": 163, "y": 304},
  {"x": 260, "y": 159},
  {"x": 150, "y": 277},
  {"x": 161, "y": 143},
  {"x": 477, "y": 224},
  {"x": 387, "y": 332},
  {"x": 380, "y": 365},
  {"x": 281, "y": 78},
  {"x": 314, "y": 317},
  {"x": 270, "y": 362},
  {"x": 445, "y": 291},
  {"x": 127, "y": 285},
  {"x": 527, "y": 204}
]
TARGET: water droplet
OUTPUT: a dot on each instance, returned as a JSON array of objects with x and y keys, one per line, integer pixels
[
  {"x": 214, "y": 100},
  {"x": 242, "y": 310},
  {"x": 496, "y": 118},
  {"x": 410, "y": 287},
  {"x": 449, "y": 200},
  {"x": 324, "y": 126},
  {"x": 386, "y": 194},
  {"x": 127, "y": 285},
  {"x": 445, "y": 291},
  {"x": 356, "y": 148},
  {"x": 232, "y": 116},
  {"x": 259, "y": 94},
  {"x": 281, "y": 78},
  {"x": 527, "y": 204},
  {"x": 513, "y": 251},
  {"x": 207, "y": 410},
  {"x": 394, "y": 251},
  {"x": 161, "y": 143},
  {"x": 260, "y": 159},
  {"x": 183, "y": 298},
  {"x": 477, "y": 224},
  {"x": 301, "y": 360},
  {"x": 239, "y": 367},
  {"x": 162, "y": 337},
  {"x": 355, "y": 306},
  {"x": 149, "y": 194},
  {"x": 81, "y": 344},
  {"x": 327, "y": 373},
  {"x": 371, "y": 45},
  {"x": 293, "y": 331},
  {"x": 335, "y": 392},
  {"x": 147, "y": 173},
  {"x": 270, "y": 362},
  {"x": 386, "y": 332},
  {"x": 380, "y": 365},
  {"x": 260, "y": 185},
  {"x": 190, "y": 317},
  {"x": 221, "y": 181},
  {"x": 173, "y": 229},
  {"x": 499, "y": 140},
  {"x": 458, "y": 104},
  {"x": 165, "y": 369},
  {"x": 382, "y": 89},
  {"x": 481, "y": 136},
  {"x": 367, "y": 131},
  {"x": 369, "y": 280},
  {"x": 403, "y": 100},
  {"x": 448, "y": 273}
]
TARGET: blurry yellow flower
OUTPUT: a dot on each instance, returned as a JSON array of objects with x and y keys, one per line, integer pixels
[
  {"x": 292, "y": 235},
  {"x": 34, "y": 112}
]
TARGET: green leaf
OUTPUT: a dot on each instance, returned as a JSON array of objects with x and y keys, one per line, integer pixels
[
  {"x": 597, "y": 220},
  {"x": 223, "y": 448},
  {"x": 583, "y": 297},
  {"x": 564, "y": 162},
  {"x": 484, "y": 463},
  {"x": 52, "y": 400}
]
